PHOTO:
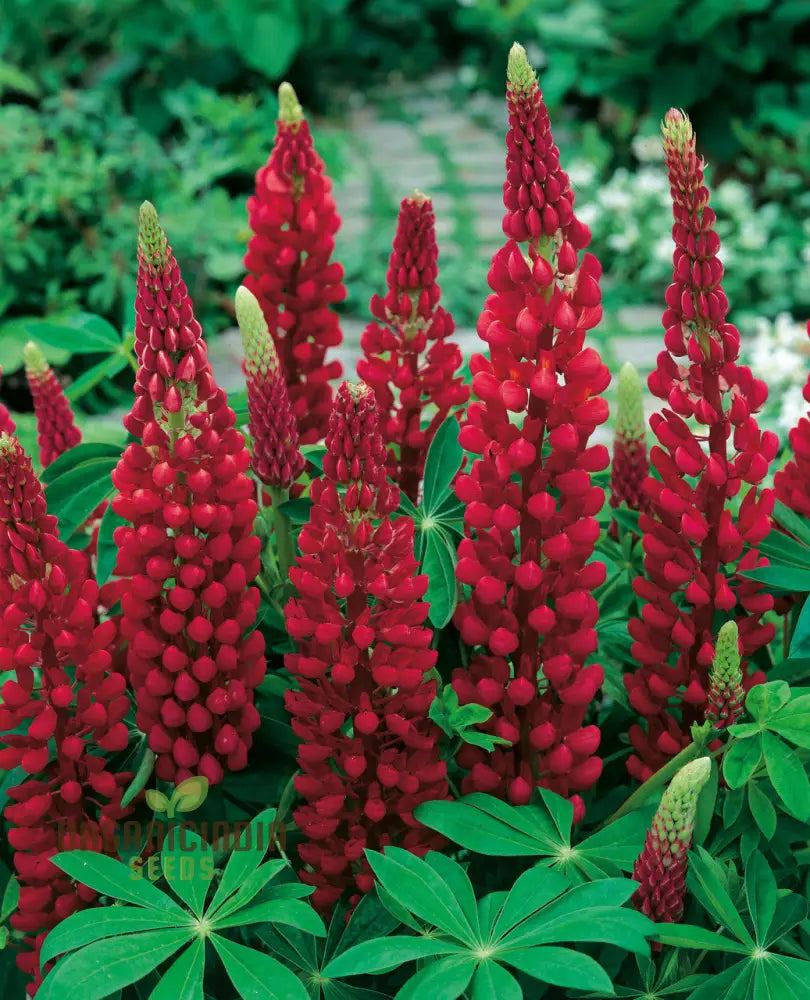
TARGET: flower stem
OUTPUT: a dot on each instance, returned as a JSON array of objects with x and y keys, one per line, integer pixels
[{"x": 285, "y": 548}]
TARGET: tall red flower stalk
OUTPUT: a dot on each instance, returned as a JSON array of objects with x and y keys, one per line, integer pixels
[
  {"x": 190, "y": 554},
  {"x": 368, "y": 753},
  {"x": 294, "y": 221},
  {"x": 693, "y": 542},
  {"x": 276, "y": 458},
  {"x": 7, "y": 425},
  {"x": 409, "y": 360},
  {"x": 630, "y": 466},
  {"x": 56, "y": 426},
  {"x": 792, "y": 483},
  {"x": 530, "y": 505},
  {"x": 67, "y": 698},
  {"x": 661, "y": 867}
]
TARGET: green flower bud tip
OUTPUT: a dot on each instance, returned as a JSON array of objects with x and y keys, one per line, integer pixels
[
  {"x": 360, "y": 390},
  {"x": 677, "y": 129},
  {"x": 726, "y": 663},
  {"x": 260, "y": 351},
  {"x": 419, "y": 198},
  {"x": 519, "y": 73},
  {"x": 675, "y": 818},
  {"x": 7, "y": 443},
  {"x": 289, "y": 110},
  {"x": 152, "y": 243},
  {"x": 630, "y": 418},
  {"x": 35, "y": 363}
]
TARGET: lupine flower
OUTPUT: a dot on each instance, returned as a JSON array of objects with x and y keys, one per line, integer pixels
[
  {"x": 190, "y": 553},
  {"x": 56, "y": 427},
  {"x": 409, "y": 360},
  {"x": 277, "y": 459},
  {"x": 792, "y": 483},
  {"x": 693, "y": 542},
  {"x": 530, "y": 505},
  {"x": 294, "y": 221},
  {"x": 52, "y": 716},
  {"x": 630, "y": 466},
  {"x": 368, "y": 754},
  {"x": 661, "y": 867},
  {"x": 726, "y": 691},
  {"x": 7, "y": 425}
]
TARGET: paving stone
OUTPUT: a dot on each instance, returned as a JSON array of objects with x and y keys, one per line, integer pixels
[{"x": 642, "y": 351}]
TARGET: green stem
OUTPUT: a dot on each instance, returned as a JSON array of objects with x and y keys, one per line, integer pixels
[
  {"x": 660, "y": 778},
  {"x": 285, "y": 548}
]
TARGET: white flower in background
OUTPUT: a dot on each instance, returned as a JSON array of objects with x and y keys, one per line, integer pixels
[
  {"x": 581, "y": 174},
  {"x": 794, "y": 407},
  {"x": 652, "y": 182},
  {"x": 588, "y": 212},
  {"x": 663, "y": 248},
  {"x": 626, "y": 238}
]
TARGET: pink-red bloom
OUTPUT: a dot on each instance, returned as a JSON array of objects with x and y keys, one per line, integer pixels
[
  {"x": 368, "y": 754},
  {"x": 792, "y": 483},
  {"x": 66, "y": 698},
  {"x": 409, "y": 360},
  {"x": 661, "y": 867},
  {"x": 693, "y": 542},
  {"x": 530, "y": 505},
  {"x": 56, "y": 426},
  {"x": 276, "y": 458},
  {"x": 630, "y": 466},
  {"x": 294, "y": 221},
  {"x": 190, "y": 553}
]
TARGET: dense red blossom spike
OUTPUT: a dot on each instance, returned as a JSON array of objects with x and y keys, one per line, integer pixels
[
  {"x": 792, "y": 483},
  {"x": 693, "y": 541},
  {"x": 189, "y": 554},
  {"x": 7, "y": 425},
  {"x": 530, "y": 504},
  {"x": 409, "y": 360},
  {"x": 276, "y": 458},
  {"x": 630, "y": 466},
  {"x": 66, "y": 698},
  {"x": 368, "y": 753},
  {"x": 56, "y": 426},
  {"x": 661, "y": 867},
  {"x": 294, "y": 221}
]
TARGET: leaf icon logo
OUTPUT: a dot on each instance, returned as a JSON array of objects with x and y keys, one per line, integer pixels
[
  {"x": 156, "y": 800},
  {"x": 189, "y": 795}
]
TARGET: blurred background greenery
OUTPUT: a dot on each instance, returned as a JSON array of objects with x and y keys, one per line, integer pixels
[{"x": 108, "y": 102}]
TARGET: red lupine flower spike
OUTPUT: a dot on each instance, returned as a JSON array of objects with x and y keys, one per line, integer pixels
[
  {"x": 630, "y": 466},
  {"x": 409, "y": 360},
  {"x": 190, "y": 552},
  {"x": 726, "y": 692},
  {"x": 792, "y": 483},
  {"x": 294, "y": 221},
  {"x": 56, "y": 427},
  {"x": 530, "y": 504},
  {"x": 691, "y": 535},
  {"x": 7, "y": 425},
  {"x": 50, "y": 621},
  {"x": 661, "y": 867},
  {"x": 368, "y": 752},
  {"x": 277, "y": 459}
]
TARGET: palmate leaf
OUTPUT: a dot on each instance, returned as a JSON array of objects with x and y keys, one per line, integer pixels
[
  {"x": 462, "y": 949},
  {"x": 486, "y": 825},
  {"x": 148, "y": 932}
]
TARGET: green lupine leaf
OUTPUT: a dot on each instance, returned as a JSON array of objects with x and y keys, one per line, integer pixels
[
  {"x": 255, "y": 975},
  {"x": 790, "y": 911},
  {"x": 687, "y": 936},
  {"x": 245, "y": 858},
  {"x": 705, "y": 879},
  {"x": 280, "y": 911},
  {"x": 787, "y": 776},
  {"x": 439, "y": 563},
  {"x": 760, "y": 891},
  {"x": 383, "y": 954},
  {"x": 101, "y": 968},
  {"x": 187, "y": 862},
  {"x": 85, "y": 927},
  {"x": 448, "y": 978},
  {"x": 741, "y": 761},
  {"x": 762, "y": 810},
  {"x": 492, "y": 980},
  {"x": 416, "y": 886},
  {"x": 112, "y": 878},
  {"x": 532, "y": 890},
  {"x": 561, "y": 967},
  {"x": 441, "y": 465},
  {"x": 183, "y": 980}
]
